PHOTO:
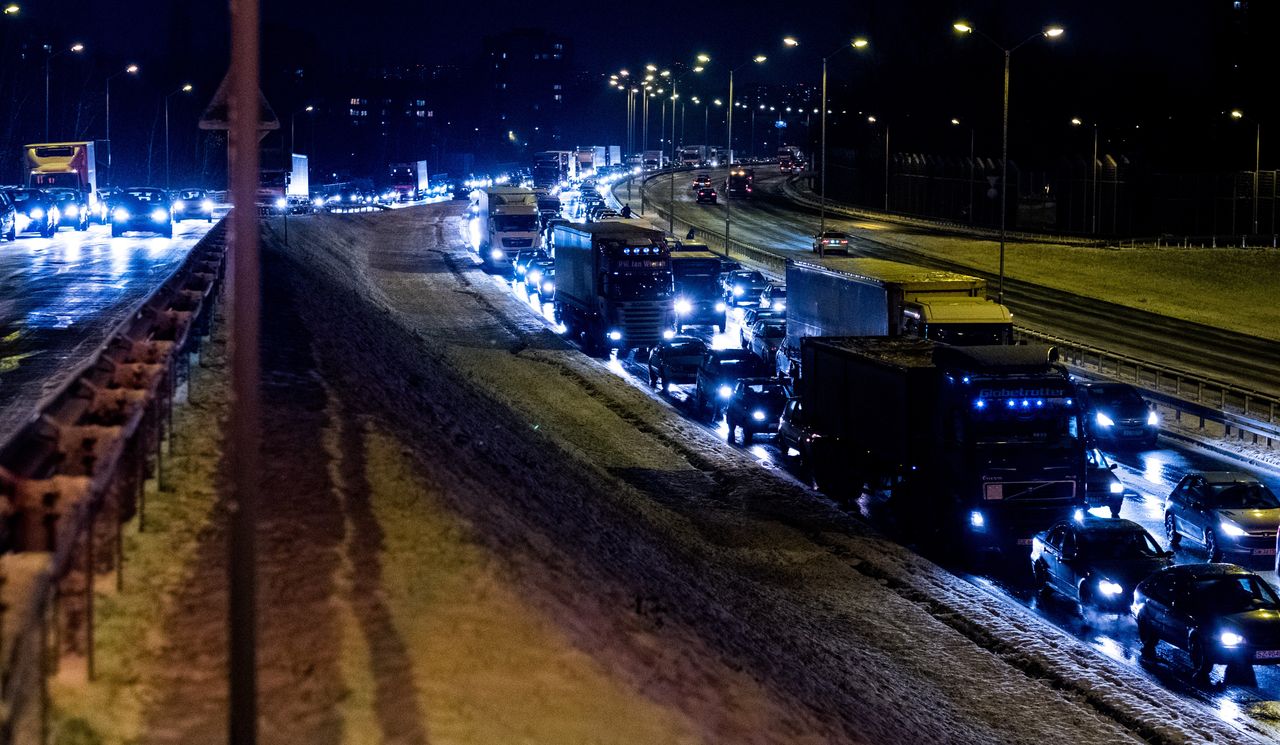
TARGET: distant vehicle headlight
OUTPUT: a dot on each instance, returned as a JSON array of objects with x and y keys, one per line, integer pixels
[
  {"x": 1231, "y": 529},
  {"x": 120, "y": 214},
  {"x": 725, "y": 391},
  {"x": 317, "y": 202},
  {"x": 159, "y": 215},
  {"x": 737, "y": 292},
  {"x": 1153, "y": 419},
  {"x": 281, "y": 203},
  {"x": 1116, "y": 487},
  {"x": 1078, "y": 516},
  {"x": 721, "y": 307},
  {"x": 179, "y": 205},
  {"x": 684, "y": 307},
  {"x": 71, "y": 210},
  {"x": 1107, "y": 587},
  {"x": 36, "y": 213},
  {"x": 1230, "y": 639},
  {"x": 757, "y": 415},
  {"x": 1103, "y": 420}
]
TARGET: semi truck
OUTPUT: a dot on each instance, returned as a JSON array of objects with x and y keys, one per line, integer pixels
[
  {"x": 613, "y": 285},
  {"x": 974, "y": 447},
  {"x": 72, "y": 165},
  {"x": 790, "y": 159},
  {"x": 589, "y": 159},
  {"x": 504, "y": 221},
  {"x": 409, "y": 181},
  {"x": 693, "y": 155},
  {"x": 696, "y": 275},
  {"x": 551, "y": 167},
  {"x": 875, "y": 297},
  {"x": 653, "y": 160}
]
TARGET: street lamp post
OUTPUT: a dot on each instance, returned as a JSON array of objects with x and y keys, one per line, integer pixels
[
  {"x": 956, "y": 123},
  {"x": 184, "y": 89},
  {"x": 1257, "y": 162},
  {"x": 1093, "y": 177},
  {"x": 293, "y": 147},
  {"x": 130, "y": 70},
  {"x": 49, "y": 56},
  {"x": 1051, "y": 32},
  {"x": 675, "y": 95},
  {"x": 759, "y": 59}
]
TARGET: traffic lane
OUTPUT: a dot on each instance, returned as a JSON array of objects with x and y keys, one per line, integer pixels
[{"x": 64, "y": 295}]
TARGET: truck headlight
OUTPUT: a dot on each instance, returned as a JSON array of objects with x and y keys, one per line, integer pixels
[
  {"x": 1078, "y": 516},
  {"x": 1116, "y": 487},
  {"x": 1109, "y": 588},
  {"x": 548, "y": 287},
  {"x": 207, "y": 205},
  {"x": 668, "y": 334},
  {"x": 1230, "y": 639},
  {"x": 977, "y": 520},
  {"x": 1153, "y": 419},
  {"x": 684, "y": 307},
  {"x": 159, "y": 215},
  {"x": 721, "y": 307},
  {"x": 120, "y": 214},
  {"x": 1103, "y": 420},
  {"x": 496, "y": 254},
  {"x": 779, "y": 304},
  {"x": 281, "y": 203},
  {"x": 725, "y": 391},
  {"x": 1231, "y": 529}
]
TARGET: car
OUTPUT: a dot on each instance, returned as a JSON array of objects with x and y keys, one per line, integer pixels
[
  {"x": 1216, "y": 613},
  {"x": 36, "y": 212},
  {"x": 520, "y": 264},
  {"x": 8, "y": 218},
  {"x": 676, "y": 360},
  {"x": 706, "y": 195},
  {"x": 718, "y": 375},
  {"x": 755, "y": 408},
  {"x": 606, "y": 214},
  {"x": 1096, "y": 561},
  {"x": 1116, "y": 413},
  {"x": 742, "y": 287},
  {"x": 193, "y": 204},
  {"x": 749, "y": 318},
  {"x": 144, "y": 209},
  {"x": 106, "y": 197},
  {"x": 702, "y": 180},
  {"x": 1229, "y": 513},
  {"x": 1102, "y": 488},
  {"x": 795, "y": 434},
  {"x": 73, "y": 207},
  {"x": 831, "y": 241},
  {"x": 540, "y": 278},
  {"x": 774, "y": 297},
  {"x": 766, "y": 336}
]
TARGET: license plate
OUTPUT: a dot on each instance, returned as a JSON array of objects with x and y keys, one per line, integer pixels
[
  {"x": 1024, "y": 541},
  {"x": 1264, "y": 552},
  {"x": 1267, "y": 654}
]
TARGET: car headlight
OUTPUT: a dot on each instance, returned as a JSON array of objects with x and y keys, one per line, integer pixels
[
  {"x": 737, "y": 292},
  {"x": 1078, "y": 516},
  {"x": 496, "y": 254},
  {"x": 1153, "y": 419},
  {"x": 71, "y": 211},
  {"x": 317, "y": 202},
  {"x": 1231, "y": 529},
  {"x": 725, "y": 391},
  {"x": 1116, "y": 487},
  {"x": 548, "y": 287},
  {"x": 36, "y": 213},
  {"x": 721, "y": 307},
  {"x": 207, "y": 205},
  {"x": 534, "y": 276},
  {"x": 669, "y": 334},
  {"x": 779, "y": 304},
  {"x": 120, "y": 214},
  {"x": 757, "y": 415},
  {"x": 1103, "y": 420},
  {"x": 160, "y": 215},
  {"x": 1230, "y": 639},
  {"x": 977, "y": 520},
  {"x": 684, "y": 307},
  {"x": 1107, "y": 587},
  {"x": 281, "y": 203},
  {"x": 179, "y": 205}
]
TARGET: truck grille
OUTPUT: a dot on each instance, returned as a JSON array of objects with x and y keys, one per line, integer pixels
[
  {"x": 1030, "y": 491},
  {"x": 517, "y": 242},
  {"x": 643, "y": 323}
]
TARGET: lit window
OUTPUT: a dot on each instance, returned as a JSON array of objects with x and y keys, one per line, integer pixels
[{"x": 355, "y": 102}]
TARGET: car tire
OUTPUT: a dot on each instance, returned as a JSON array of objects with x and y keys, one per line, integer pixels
[
  {"x": 733, "y": 437},
  {"x": 12, "y": 235},
  {"x": 49, "y": 231},
  {"x": 1148, "y": 638},
  {"x": 1211, "y": 548},
  {"x": 1198, "y": 651},
  {"x": 116, "y": 232},
  {"x": 82, "y": 226},
  {"x": 747, "y": 436},
  {"x": 1171, "y": 531},
  {"x": 720, "y": 327},
  {"x": 699, "y": 403}
]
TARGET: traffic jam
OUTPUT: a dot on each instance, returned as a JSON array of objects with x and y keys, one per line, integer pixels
[{"x": 898, "y": 393}]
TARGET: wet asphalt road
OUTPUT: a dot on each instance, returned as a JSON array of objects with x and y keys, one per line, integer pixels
[{"x": 62, "y": 298}]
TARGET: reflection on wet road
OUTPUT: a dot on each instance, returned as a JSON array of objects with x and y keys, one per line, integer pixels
[{"x": 63, "y": 296}]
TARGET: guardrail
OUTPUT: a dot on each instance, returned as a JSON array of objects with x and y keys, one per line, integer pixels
[
  {"x": 73, "y": 476},
  {"x": 1243, "y": 413}
]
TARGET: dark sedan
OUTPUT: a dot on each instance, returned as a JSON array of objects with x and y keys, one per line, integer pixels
[
  {"x": 676, "y": 360},
  {"x": 1220, "y": 614},
  {"x": 8, "y": 218},
  {"x": 831, "y": 241},
  {"x": 193, "y": 204},
  {"x": 540, "y": 278},
  {"x": 142, "y": 209},
  {"x": 1114, "y": 412},
  {"x": 1227, "y": 512},
  {"x": 743, "y": 287},
  {"x": 755, "y": 407},
  {"x": 1101, "y": 487},
  {"x": 718, "y": 375},
  {"x": 706, "y": 195},
  {"x": 1096, "y": 561},
  {"x": 73, "y": 208},
  {"x": 36, "y": 212}
]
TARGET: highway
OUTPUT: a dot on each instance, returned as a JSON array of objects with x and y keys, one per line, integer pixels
[
  {"x": 773, "y": 222},
  {"x": 62, "y": 298}
]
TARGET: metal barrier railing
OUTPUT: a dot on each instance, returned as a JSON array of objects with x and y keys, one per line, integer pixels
[{"x": 72, "y": 477}]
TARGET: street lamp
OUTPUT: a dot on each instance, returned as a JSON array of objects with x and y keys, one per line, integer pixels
[
  {"x": 184, "y": 89},
  {"x": 1050, "y": 32},
  {"x": 1093, "y": 176},
  {"x": 759, "y": 59},
  {"x": 1257, "y": 157},
  {"x": 857, "y": 43},
  {"x": 49, "y": 56},
  {"x": 130, "y": 70},
  {"x": 11, "y": 9}
]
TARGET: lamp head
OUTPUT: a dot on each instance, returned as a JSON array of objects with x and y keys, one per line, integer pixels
[
  {"x": 963, "y": 27},
  {"x": 1054, "y": 32},
  {"x": 860, "y": 43}
]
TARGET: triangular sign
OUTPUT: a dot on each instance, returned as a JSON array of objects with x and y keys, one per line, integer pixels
[{"x": 217, "y": 115}]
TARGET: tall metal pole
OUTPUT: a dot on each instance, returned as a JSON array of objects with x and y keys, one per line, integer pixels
[
  {"x": 822, "y": 209},
  {"x": 727, "y": 201},
  {"x": 646, "y": 122},
  {"x": 671, "y": 190},
  {"x": 706, "y": 124},
  {"x": 1257, "y": 163},
  {"x": 886, "y": 168},
  {"x": 48, "y": 55},
  {"x": 166, "y": 141},
  {"x": 242, "y": 726},
  {"x": 971, "y": 157},
  {"x": 1093, "y": 197},
  {"x": 109, "y": 77},
  {"x": 752, "y": 153},
  {"x": 1004, "y": 174}
]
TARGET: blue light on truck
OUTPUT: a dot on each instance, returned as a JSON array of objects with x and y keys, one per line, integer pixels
[
  {"x": 979, "y": 404},
  {"x": 976, "y": 520}
]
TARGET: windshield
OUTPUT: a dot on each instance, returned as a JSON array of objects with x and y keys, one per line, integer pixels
[
  {"x": 146, "y": 195},
  {"x": 69, "y": 180},
  {"x": 969, "y": 334},
  {"x": 191, "y": 194},
  {"x": 639, "y": 284},
  {"x": 1242, "y": 496},
  {"x": 1234, "y": 594},
  {"x": 1050, "y": 420},
  {"x": 515, "y": 223},
  {"x": 764, "y": 390},
  {"x": 22, "y": 196},
  {"x": 1118, "y": 544},
  {"x": 773, "y": 331},
  {"x": 1113, "y": 396}
]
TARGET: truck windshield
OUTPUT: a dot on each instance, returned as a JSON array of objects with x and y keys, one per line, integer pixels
[
  {"x": 45, "y": 180},
  {"x": 698, "y": 285},
  {"x": 969, "y": 334},
  {"x": 515, "y": 223},
  {"x": 1046, "y": 421},
  {"x": 637, "y": 284}
]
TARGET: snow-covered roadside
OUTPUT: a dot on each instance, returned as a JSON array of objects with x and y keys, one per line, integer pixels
[{"x": 567, "y": 467}]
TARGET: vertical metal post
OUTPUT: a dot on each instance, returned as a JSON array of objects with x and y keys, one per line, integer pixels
[
  {"x": 48, "y": 55},
  {"x": 822, "y": 209},
  {"x": 1093, "y": 198},
  {"x": 1004, "y": 174},
  {"x": 1257, "y": 163},
  {"x": 727, "y": 201},
  {"x": 671, "y": 193},
  {"x": 244, "y": 424},
  {"x": 108, "y": 119},
  {"x": 166, "y": 143},
  {"x": 886, "y": 168},
  {"x": 971, "y": 157}
]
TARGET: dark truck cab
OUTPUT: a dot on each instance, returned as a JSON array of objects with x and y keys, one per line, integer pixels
[
  {"x": 979, "y": 445},
  {"x": 698, "y": 301}
]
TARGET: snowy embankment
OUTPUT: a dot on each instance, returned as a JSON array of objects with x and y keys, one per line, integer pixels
[{"x": 718, "y": 589}]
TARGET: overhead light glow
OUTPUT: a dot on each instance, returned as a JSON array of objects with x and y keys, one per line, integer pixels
[
  {"x": 962, "y": 27},
  {"x": 860, "y": 43},
  {"x": 1054, "y": 32}
]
